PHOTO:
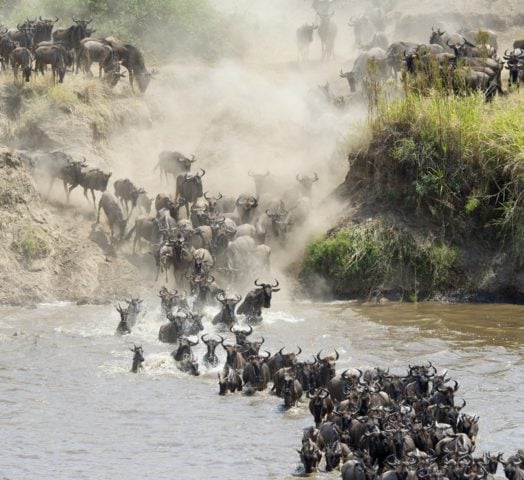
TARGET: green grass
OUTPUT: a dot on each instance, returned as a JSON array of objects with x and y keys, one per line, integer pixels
[
  {"x": 32, "y": 244},
  {"x": 363, "y": 259},
  {"x": 458, "y": 156}
]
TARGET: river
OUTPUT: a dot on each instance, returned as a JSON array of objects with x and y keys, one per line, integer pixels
[{"x": 70, "y": 408}]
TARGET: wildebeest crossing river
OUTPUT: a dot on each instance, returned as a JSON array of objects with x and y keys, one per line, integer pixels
[{"x": 70, "y": 408}]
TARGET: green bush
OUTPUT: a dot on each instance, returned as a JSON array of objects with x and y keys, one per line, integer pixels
[
  {"x": 159, "y": 27},
  {"x": 365, "y": 258},
  {"x": 31, "y": 245}
]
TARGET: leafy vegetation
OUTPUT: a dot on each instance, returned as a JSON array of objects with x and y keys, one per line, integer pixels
[
  {"x": 31, "y": 245},
  {"x": 159, "y": 27},
  {"x": 366, "y": 258}
]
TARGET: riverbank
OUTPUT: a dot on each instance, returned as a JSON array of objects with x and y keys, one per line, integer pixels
[{"x": 436, "y": 203}]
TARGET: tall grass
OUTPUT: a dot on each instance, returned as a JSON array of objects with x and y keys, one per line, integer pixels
[{"x": 459, "y": 157}]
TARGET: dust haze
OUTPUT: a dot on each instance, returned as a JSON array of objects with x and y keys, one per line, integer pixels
[{"x": 262, "y": 111}]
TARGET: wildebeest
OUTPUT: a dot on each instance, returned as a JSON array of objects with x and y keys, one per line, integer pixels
[
  {"x": 143, "y": 229},
  {"x": 184, "y": 358},
  {"x": 170, "y": 332},
  {"x": 320, "y": 404},
  {"x": 210, "y": 357},
  {"x": 133, "y": 60},
  {"x": 229, "y": 381},
  {"x": 94, "y": 179},
  {"x": 21, "y": 58},
  {"x": 310, "y": 456},
  {"x": 257, "y": 299},
  {"x": 138, "y": 358},
  {"x": 43, "y": 29},
  {"x": 63, "y": 167},
  {"x": 22, "y": 36},
  {"x": 123, "y": 326},
  {"x": 173, "y": 163},
  {"x": 134, "y": 309},
  {"x": 371, "y": 64},
  {"x": 362, "y": 29},
  {"x": 115, "y": 217},
  {"x": 335, "y": 453},
  {"x": 245, "y": 208},
  {"x": 96, "y": 51},
  {"x": 234, "y": 358},
  {"x": 226, "y": 316},
  {"x": 304, "y": 39},
  {"x": 53, "y": 55},
  {"x": 327, "y": 31},
  {"x": 189, "y": 187},
  {"x": 306, "y": 183},
  {"x": 126, "y": 192},
  {"x": 256, "y": 374},
  {"x": 291, "y": 391},
  {"x": 71, "y": 37}
]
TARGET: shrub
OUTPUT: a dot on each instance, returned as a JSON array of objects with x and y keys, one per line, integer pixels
[{"x": 31, "y": 245}]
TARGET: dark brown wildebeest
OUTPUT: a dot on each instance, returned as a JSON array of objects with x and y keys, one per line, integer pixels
[
  {"x": 189, "y": 187},
  {"x": 138, "y": 358},
  {"x": 143, "y": 229},
  {"x": 53, "y": 55},
  {"x": 210, "y": 357},
  {"x": 291, "y": 391},
  {"x": 257, "y": 299},
  {"x": 23, "y": 36},
  {"x": 6, "y": 47},
  {"x": 93, "y": 179},
  {"x": 123, "y": 327},
  {"x": 173, "y": 163},
  {"x": 114, "y": 215},
  {"x": 320, "y": 404},
  {"x": 133, "y": 60},
  {"x": 71, "y": 37},
  {"x": 66, "y": 169},
  {"x": 126, "y": 192},
  {"x": 256, "y": 373},
  {"x": 43, "y": 29},
  {"x": 21, "y": 58},
  {"x": 184, "y": 358},
  {"x": 226, "y": 316}
]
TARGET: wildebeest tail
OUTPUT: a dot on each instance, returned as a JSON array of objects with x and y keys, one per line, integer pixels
[{"x": 128, "y": 236}]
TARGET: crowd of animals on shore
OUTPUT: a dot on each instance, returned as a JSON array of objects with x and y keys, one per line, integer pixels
[
  {"x": 35, "y": 44},
  {"x": 459, "y": 63}
]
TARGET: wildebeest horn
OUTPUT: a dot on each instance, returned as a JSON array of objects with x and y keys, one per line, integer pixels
[
  {"x": 232, "y": 329},
  {"x": 263, "y": 340},
  {"x": 276, "y": 284},
  {"x": 299, "y": 350},
  {"x": 210, "y": 278},
  {"x": 463, "y": 405},
  {"x": 315, "y": 179},
  {"x": 258, "y": 284},
  {"x": 220, "y": 297},
  {"x": 193, "y": 344},
  {"x": 193, "y": 159},
  {"x": 309, "y": 393},
  {"x": 205, "y": 196},
  {"x": 203, "y": 173},
  {"x": 203, "y": 339},
  {"x": 238, "y": 297},
  {"x": 318, "y": 355},
  {"x": 456, "y": 387},
  {"x": 337, "y": 355}
]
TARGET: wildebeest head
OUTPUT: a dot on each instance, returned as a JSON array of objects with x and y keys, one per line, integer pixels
[
  {"x": 240, "y": 334},
  {"x": 333, "y": 455},
  {"x": 307, "y": 182},
  {"x": 212, "y": 201},
  {"x": 310, "y": 456},
  {"x": 316, "y": 402},
  {"x": 350, "y": 77},
  {"x": 185, "y": 162},
  {"x": 327, "y": 366},
  {"x": 134, "y": 306},
  {"x": 436, "y": 36},
  {"x": 211, "y": 345},
  {"x": 267, "y": 290},
  {"x": 195, "y": 180},
  {"x": 245, "y": 204},
  {"x": 123, "y": 326},
  {"x": 184, "y": 348},
  {"x": 308, "y": 31},
  {"x": 229, "y": 303},
  {"x": 138, "y": 358},
  {"x": 281, "y": 223}
]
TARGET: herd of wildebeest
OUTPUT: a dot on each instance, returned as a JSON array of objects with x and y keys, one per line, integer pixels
[
  {"x": 459, "y": 63},
  {"x": 371, "y": 424},
  {"x": 35, "y": 44}
]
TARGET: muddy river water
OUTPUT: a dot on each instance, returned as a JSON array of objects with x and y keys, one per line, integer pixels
[{"x": 70, "y": 408}]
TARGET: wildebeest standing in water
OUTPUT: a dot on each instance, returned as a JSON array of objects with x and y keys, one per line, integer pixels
[
  {"x": 257, "y": 299},
  {"x": 304, "y": 39},
  {"x": 138, "y": 358},
  {"x": 115, "y": 217}
]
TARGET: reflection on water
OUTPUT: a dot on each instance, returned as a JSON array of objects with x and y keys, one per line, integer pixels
[{"x": 68, "y": 399}]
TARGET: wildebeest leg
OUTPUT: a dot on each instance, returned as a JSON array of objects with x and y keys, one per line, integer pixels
[
  {"x": 98, "y": 214},
  {"x": 51, "y": 183},
  {"x": 70, "y": 190},
  {"x": 131, "y": 79},
  {"x": 94, "y": 198}
]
